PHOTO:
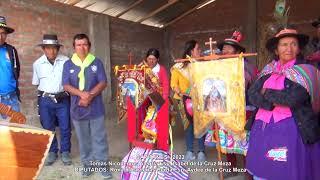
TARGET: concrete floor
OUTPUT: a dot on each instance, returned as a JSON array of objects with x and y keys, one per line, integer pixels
[{"x": 118, "y": 148}]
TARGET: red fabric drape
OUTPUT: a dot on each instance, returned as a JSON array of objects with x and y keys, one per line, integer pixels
[
  {"x": 163, "y": 127},
  {"x": 132, "y": 126}
]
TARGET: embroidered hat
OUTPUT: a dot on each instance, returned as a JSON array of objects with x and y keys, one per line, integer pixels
[
  {"x": 50, "y": 39},
  {"x": 234, "y": 41},
  {"x": 272, "y": 43},
  {"x": 3, "y": 25}
]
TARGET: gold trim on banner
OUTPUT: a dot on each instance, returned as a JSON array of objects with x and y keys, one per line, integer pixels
[{"x": 218, "y": 95}]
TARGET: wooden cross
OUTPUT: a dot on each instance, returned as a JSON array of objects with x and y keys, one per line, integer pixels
[
  {"x": 130, "y": 56},
  {"x": 210, "y": 43}
]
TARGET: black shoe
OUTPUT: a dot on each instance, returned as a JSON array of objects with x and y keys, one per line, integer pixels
[
  {"x": 106, "y": 175},
  {"x": 51, "y": 158},
  {"x": 86, "y": 171},
  {"x": 66, "y": 159}
]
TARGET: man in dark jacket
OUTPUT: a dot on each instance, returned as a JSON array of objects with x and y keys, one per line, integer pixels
[{"x": 9, "y": 69}]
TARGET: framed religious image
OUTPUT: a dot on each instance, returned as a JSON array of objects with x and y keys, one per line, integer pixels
[
  {"x": 218, "y": 95},
  {"x": 214, "y": 95},
  {"x": 130, "y": 87},
  {"x": 131, "y": 82}
]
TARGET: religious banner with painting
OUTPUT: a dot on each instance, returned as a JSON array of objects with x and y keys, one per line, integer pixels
[
  {"x": 131, "y": 83},
  {"x": 218, "y": 95}
]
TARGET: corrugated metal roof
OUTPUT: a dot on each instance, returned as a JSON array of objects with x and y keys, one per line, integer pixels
[
  {"x": 175, "y": 10},
  {"x": 119, "y": 7},
  {"x": 150, "y": 12},
  {"x": 143, "y": 9}
]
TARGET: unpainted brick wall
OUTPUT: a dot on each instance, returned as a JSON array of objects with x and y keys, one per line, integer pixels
[
  {"x": 126, "y": 37},
  {"x": 301, "y": 14},
  {"x": 217, "y": 20},
  {"x": 33, "y": 18},
  {"x": 220, "y": 18}
]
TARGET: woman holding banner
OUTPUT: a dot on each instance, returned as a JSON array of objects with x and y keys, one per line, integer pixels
[
  {"x": 180, "y": 84},
  {"x": 229, "y": 144}
]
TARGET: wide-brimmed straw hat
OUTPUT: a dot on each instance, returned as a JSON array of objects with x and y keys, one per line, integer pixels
[
  {"x": 272, "y": 43},
  {"x": 3, "y": 24},
  {"x": 234, "y": 41}
]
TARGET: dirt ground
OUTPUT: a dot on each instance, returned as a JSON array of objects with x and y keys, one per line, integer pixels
[{"x": 118, "y": 148}]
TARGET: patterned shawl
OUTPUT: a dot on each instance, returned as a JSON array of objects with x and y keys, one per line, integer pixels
[{"x": 304, "y": 74}]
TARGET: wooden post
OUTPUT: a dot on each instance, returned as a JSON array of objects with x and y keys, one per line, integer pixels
[{"x": 216, "y": 134}]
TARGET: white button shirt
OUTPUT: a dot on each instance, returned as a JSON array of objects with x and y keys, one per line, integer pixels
[{"x": 48, "y": 77}]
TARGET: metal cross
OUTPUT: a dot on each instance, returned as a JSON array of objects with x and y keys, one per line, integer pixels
[{"x": 130, "y": 56}]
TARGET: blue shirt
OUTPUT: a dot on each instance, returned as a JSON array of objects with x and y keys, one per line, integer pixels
[
  {"x": 94, "y": 74},
  {"x": 7, "y": 81}
]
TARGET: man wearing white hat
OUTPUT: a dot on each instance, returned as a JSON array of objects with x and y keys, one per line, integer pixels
[
  {"x": 9, "y": 70},
  {"x": 54, "y": 105}
]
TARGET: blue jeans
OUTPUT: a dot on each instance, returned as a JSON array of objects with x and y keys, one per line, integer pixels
[
  {"x": 50, "y": 112},
  {"x": 189, "y": 135},
  {"x": 11, "y": 100},
  {"x": 93, "y": 141}
]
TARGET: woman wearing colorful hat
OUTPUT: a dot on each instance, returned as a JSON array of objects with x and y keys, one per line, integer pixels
[
  {"x": 229, "y": 144},
  {"x": 233, "y": 46},
  {"x": 285, "y": 131}
]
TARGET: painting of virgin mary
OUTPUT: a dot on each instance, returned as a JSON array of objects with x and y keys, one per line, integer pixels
[
  {"x": 214, "y": 95},
  {"x": 129, "y": 88}
]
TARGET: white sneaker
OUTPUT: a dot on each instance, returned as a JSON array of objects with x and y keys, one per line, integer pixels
[
  {"x": 201, "y": 156},
  {"x": 189, "y": 156}
]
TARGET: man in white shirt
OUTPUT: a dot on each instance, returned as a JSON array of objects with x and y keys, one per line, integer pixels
[{"x": 54, "y": 105}]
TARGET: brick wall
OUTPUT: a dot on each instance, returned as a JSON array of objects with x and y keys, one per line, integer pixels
[
  {"x": 128, "y": 37},
  {"x": 302, "y": 13},
  {"x": 217, "y": 20},
  {"x": 32, "y": 18},
  {"x": 220, "y": 18}
]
